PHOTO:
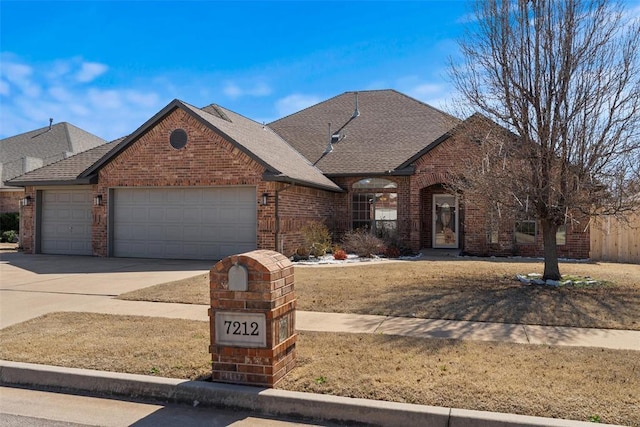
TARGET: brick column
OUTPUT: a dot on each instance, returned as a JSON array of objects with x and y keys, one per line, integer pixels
[{"x": 252, "y": 318}]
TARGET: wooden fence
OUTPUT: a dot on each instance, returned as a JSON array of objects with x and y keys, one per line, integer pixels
[{"x": 615, "y": 240}]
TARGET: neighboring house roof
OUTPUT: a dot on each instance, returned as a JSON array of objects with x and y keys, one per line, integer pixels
[
  {"x": 389, "y": 129},
  {"x": 66, "y": 171},
  {"x": 28, "y": 151}
]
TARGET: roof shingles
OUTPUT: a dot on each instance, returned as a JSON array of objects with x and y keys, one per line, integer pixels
[{"x": 390, "y": 128}]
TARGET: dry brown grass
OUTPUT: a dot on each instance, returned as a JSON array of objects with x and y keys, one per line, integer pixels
[
  {"x": 134, "y": 344},
  {"x": 561, "y": 382},
  {"x": 468, "y": 289}
]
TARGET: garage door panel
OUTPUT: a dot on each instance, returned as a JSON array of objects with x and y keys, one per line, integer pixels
[
  {"x": 156, "y": 214},
  {"x": 189, "y": 223},
  {"x": 174, "y": 214},
  {"x": 139, "y": 214},
  {"x": 193, "y": 196},
  {"x": 191, "y": 215},
  {"x": 66, "y": 219}
]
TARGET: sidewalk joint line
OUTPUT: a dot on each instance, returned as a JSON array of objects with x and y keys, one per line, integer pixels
[
  {"x": 375, "y": 331},
  {"x": 526, "y": 334}
]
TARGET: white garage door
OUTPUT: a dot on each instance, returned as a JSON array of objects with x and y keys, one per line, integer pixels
[
  {"x": 184, "y": 223},
  {"x": 66, "y": 222}
]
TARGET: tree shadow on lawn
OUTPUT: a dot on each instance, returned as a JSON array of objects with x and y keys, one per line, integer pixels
[{"x": 598, "y": 307}]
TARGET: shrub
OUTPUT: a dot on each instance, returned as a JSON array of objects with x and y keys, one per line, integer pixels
[
  {"x": 392, "y": 252},
  {"x": 8, "y": 236},
  {"x": 316, "y": 238},
  {"x": 363, "y": 243},
  {"x": 301, "y": 253},
  {"x": 339, "y": 254},
  {"x": 395, "y": 245},
  {"x": 10, "y": 221}
]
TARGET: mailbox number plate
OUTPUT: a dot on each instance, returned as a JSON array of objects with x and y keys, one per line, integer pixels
[{"x": 241, "y": 329}]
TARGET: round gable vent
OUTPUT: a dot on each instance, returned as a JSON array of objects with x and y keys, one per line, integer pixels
[{"x": 178, "y": 139}]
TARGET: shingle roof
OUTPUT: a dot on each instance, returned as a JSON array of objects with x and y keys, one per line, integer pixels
[
  {"x": 42, "y": 147},
  {"x": 281, "y": 159},
  {"x": 390, "y": 129},
  {"x": 282, "y": 162},
  {"x": 68, "y": 170}
]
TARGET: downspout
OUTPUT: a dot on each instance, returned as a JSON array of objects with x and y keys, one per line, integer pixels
[{"x": 277, "y": 231}]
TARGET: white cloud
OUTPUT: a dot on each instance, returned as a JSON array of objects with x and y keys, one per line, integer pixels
[
  {"x": 107, "y": 99},
  {"x": 467, "y": 18},
  {"x": 234, "y": 91},
  {"x": 142, "y": 99},
  {"x": 89, "y": 71},
  {"x": 425, "y": 90},
  {"x": 295, "y": 102},
  {"x": 67, "y": 91},
  {"x": 20, "y": 75},
  {"x": 4, "y": 88}
]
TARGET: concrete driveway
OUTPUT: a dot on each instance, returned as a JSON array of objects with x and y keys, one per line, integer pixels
[{"x": 33, "y": 285}]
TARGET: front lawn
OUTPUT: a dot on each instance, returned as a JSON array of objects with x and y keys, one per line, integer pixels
[
  {"x": 459, "y": 289},
  {"x": 561, "y": 382}
]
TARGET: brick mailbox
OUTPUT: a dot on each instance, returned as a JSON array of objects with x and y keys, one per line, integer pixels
[{"x": 252, "y": 318}]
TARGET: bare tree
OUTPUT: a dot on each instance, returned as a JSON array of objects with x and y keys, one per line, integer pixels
[{"x": 563, "y": 76}]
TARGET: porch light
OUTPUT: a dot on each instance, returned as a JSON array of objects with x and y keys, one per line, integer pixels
[
  {"x": 265, "y": 199},
  {"x": 97, "y": 201},
  {"x": 26, "y": 201}
]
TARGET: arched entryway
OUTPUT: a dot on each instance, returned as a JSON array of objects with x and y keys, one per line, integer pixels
[{"x": 440, "y": 218}]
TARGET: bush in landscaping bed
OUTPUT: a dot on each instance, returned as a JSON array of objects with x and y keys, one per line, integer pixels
[
  {"x": 9, "y": 236},
  {"x": 363, "y": 243},
  {"x": 317, "y": 238}
]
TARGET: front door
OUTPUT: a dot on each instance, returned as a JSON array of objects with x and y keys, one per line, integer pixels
[{"x": 445, "y": 221}]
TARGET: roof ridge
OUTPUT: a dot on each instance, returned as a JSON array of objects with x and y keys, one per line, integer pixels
[
  {"x": 274, "y": 133},
  {"x": 427, "y": 105}
]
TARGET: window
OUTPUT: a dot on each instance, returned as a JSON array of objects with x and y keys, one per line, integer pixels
[
  {"x": 374, "y": 206},
  {"x": 493, "y": 227},
  {"x": 492, "y": 236},
  {"x": 561, "y": 235},
  {"x": 525, "y": 232}
]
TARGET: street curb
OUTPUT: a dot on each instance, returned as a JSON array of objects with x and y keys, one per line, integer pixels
[{"x": 260, "y": 400}]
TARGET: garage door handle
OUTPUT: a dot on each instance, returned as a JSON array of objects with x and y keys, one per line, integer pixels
[{"x": 70, "y": 228}]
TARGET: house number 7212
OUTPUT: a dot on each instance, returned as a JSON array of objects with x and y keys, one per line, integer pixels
[{"x": 240, "y": 328}]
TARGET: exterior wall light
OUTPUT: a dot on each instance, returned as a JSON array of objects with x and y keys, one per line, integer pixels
[
  {"x": 25, "y": 201},
  {"x": 97, "y": 201},
  {"x": 265, "y": 199}
]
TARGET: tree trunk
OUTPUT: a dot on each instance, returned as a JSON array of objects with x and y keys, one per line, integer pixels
[{"x": 551, "y": 267}]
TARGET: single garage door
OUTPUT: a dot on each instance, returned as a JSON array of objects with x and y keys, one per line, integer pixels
[
  {"x": 184, "y": 223},
  {"x": 65, "y": 226}
]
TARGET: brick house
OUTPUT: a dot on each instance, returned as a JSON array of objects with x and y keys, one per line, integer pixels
[{"x": 207, "y": 183}]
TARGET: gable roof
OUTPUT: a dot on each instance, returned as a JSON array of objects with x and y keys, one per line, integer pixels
[
  {"x": 24, "y": 152},
  {"x": 390, "y": 129},
  {"x": 281, "y": 161}
]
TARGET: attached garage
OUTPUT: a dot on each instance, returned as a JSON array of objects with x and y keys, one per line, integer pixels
[
  {"x": 184, "y": 222},
  {"x": 65, "y": 222}
]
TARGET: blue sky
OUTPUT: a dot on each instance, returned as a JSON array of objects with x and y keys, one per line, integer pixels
[{"x": 108, "y": 66}]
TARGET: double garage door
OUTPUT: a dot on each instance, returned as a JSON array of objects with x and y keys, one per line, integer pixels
[{"x": 183, "y": 223}]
